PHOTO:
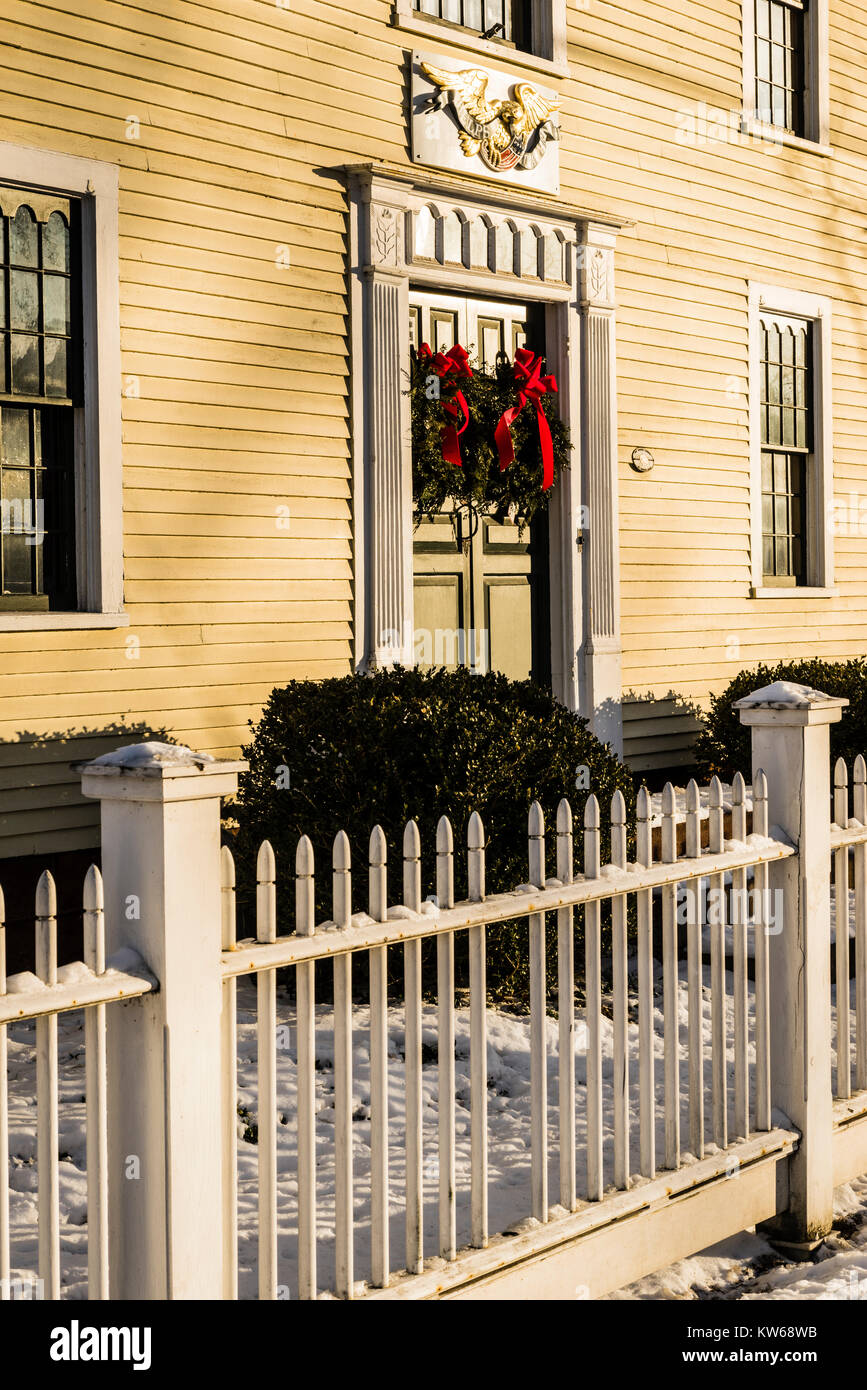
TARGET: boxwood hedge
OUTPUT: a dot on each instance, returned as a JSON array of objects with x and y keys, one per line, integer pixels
[{"x": 347, "y": 753}]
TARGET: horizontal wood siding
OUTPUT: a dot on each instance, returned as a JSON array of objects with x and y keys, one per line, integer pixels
[{"x": 234, "y": 316}]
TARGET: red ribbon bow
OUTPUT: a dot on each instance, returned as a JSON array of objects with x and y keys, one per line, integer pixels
[
  {"x": 532, "y": 387},
  {"x": 450, "y": 367}
]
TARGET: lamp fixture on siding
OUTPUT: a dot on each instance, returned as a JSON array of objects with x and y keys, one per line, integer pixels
[{"x": 642, "y": 460}]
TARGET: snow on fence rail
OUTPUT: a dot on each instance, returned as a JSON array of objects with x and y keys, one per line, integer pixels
[{"x": 746, "y": 1090}]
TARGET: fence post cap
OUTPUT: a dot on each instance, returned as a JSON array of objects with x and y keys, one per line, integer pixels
[
  {"x": 785, "y": 702},
  {"x": 157, "y": 771}
]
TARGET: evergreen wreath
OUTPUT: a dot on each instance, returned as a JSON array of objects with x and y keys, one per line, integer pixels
[{"x": 479, "y": 483}]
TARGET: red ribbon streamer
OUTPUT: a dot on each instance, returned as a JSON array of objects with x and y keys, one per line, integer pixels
[
  {"x": 532, "y": 387},
  {"x": 450, "y": 367}
]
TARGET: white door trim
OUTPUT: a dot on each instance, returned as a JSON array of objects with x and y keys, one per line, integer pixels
[{"x": 452, "y": 235}]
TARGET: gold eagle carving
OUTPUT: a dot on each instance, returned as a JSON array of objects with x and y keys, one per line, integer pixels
[{"x": 509, "y": 134}]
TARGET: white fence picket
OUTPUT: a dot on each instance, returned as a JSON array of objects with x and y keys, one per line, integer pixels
[
  {"x": 740, "y": 917},
  {"x": 671, "y": 1045},
  {"x": 446, "y": 1047},
  {"x": 378, "y": 908},
  {"x": 860, "y": 813},
  {"x": 760, "y": 953},
  {"x": 716, "y": 924},
  {"x": 96, "y": 1090},
  {"x": 478, "y": 1039},
  {"x": 47, "y": 1124},
  {"x": 538, "y": 1025},
  {"x": 341, "y": 885},
  {"x": 414, "y": 1241},
  {"x": 841, "y": 906},
  {"x": 621, "y": 1002},
  {"x": 266, "y": 1047},
  {"x": 305, "y": 993},
  {"x": 593, "y": 1006},
  {"x": 229, "y": 1045},
  {"x": 695, "y": 1036},
  {"x": 566, "y": 1011},
  {"x": 646, "y": 1079}
]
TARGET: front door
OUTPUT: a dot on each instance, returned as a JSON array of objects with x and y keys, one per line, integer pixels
[{"x": 480, "y": 588}]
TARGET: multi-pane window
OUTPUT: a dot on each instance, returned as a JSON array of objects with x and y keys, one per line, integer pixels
[
  {"x": 40, "y": 354},
  {"x": 781, "y": 34},
  {"x": 787, "y": 446},
  {"x": 510, "y": 18}
]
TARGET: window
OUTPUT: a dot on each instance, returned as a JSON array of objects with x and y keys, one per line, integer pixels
[
  {"x": 786, "y": 69},
  {"x": 496, "y": 19},
  {"x": 534, "y": 30},
  {"x": 780, "y": 52},
  {"x": 40, "y": 353},
  {"x": 61, "y": 538},
  {"x": 787, "y": 445},
  {"x": 790, "y": 426}
]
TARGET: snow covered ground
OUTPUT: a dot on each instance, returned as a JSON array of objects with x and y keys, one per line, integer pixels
[{"x": 742, "y": 1267}]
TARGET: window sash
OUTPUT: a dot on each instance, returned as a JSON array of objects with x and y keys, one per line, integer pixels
[
  {"x": 40, "y": 291},
  {"x": 787, "y": 438},
  {"x": 781, "y": 36}
]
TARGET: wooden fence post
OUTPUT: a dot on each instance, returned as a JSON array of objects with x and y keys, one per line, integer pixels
[
  {"x": 160, "y": 814},
  {"x": 791, "y": 744}
]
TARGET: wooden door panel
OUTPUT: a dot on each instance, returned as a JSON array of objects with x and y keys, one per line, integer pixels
[
  {"x": 439, "y": 638},
  {"x": 509, "y": 621}
]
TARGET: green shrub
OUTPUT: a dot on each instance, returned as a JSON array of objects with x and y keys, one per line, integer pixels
[
  {"x": 407, "y": 744},
  {"x": 723, "y": 746}
]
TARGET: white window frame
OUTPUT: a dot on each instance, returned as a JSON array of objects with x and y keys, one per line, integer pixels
[
  {"x": 98, "y": 469},
  {"x": 549, "y": 36},
  {"x": 776, "y": 299},
  {"x": 816, "y": 82}
]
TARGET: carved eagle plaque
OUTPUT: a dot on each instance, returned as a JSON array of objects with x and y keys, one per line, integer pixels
[{"x": 479, "y": 121}]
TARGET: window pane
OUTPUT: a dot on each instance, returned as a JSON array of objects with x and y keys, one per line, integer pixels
[
  {"x": 22, "y": 238},
  {"x": 767, "y": 555},
  {"x": 15, "y": 437},
  {"x": 55, "y": 312},
  {"x": 763, "y": 18},
  {"x": 55, "y": 243},
  {"x": 25, "y": 365},
  {"x": 767, "y": 472},
  {"x": 56, "y": 375},
  {"x": 767, "y": 514},
  {"x": 17, "y": 563},
  {"x": 24, "y": 298}
]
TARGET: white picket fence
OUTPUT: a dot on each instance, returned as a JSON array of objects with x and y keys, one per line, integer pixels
[{"x": 628, "y": 1194}]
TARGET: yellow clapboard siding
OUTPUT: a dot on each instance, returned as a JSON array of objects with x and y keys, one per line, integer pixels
[{"x": 248, "y": 111}]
